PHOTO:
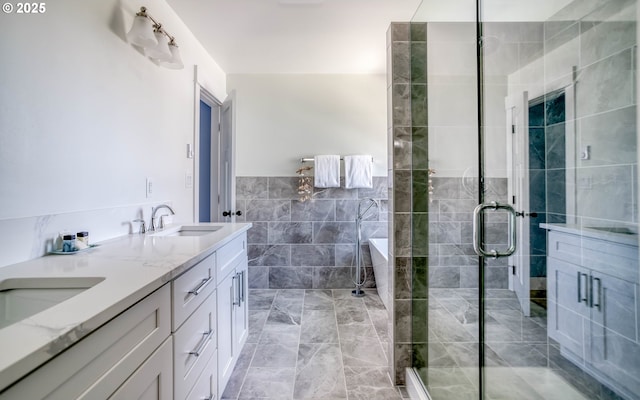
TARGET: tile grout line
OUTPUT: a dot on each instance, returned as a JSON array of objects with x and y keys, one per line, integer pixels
[
  {"x": 335, "y": 314},
  {"x": 258, "y": 340},
  {"x": 295, "y": 372}
]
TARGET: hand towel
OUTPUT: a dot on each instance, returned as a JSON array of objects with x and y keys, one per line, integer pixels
[
  {"x": 358, "y": 172},
  {"x": 327, "y": 171}
]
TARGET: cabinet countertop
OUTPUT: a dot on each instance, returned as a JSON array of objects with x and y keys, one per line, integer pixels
[
  {"x": 132, "y": 266},
  {"x": 602, "y": 233}
]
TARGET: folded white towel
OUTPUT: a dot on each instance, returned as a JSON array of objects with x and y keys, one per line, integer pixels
[
  {"x": 327, "y": 171},
  {"x": 358, "y": 172}
]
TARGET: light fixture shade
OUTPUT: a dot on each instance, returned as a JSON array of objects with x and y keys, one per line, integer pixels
[
  {"x": 176, "y": 61},
  {"x": 161, "y": 50},
  {"x": 141, "y": 33}
]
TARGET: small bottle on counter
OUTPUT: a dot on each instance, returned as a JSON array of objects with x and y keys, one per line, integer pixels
[
  {"x": 69, "y": 242},
  {"x": 83, "y": 240}
]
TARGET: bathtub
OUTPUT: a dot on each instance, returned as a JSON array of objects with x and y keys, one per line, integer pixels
[{"x": 379, "y": 249}]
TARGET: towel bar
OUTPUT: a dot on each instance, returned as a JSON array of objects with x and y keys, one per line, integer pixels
[{"x": 311, "y": 159}]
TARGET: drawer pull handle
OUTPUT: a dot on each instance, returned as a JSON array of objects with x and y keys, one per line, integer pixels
[
  {"x": 196, "y": 291},
  {"x": 203, "y": 343}
]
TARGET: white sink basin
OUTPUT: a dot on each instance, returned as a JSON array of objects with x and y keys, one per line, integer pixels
[
  {"x": 21, "y": 298},
  {"x": 189, "y": 230}
]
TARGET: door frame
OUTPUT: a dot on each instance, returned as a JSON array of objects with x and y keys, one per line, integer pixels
[
  {"x": 214, "y": 184},
  {"x": 227, "y": 193},
  {"x": 517, "y": 113},
  {"x": 202, "y": 92}
]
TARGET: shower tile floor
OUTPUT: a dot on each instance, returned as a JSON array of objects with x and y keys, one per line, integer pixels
[
  {"x": 314, "y": 344},
  {"x": 521, "y": 361}
]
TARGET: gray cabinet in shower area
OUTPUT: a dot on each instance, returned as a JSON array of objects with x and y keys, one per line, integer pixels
[{"x": 593, "y": 303}]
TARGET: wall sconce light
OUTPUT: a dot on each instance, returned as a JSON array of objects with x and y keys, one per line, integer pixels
[{"x": 157, "y": 43}]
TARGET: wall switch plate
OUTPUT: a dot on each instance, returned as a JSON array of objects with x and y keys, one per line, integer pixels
[
  {"x": 188, "y": 180},
  {"x": 149, "y": 187},
  {"x": 189, "y": 150}
]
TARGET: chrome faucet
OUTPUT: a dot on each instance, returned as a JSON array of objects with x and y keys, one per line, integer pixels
[{"x": 154, "y": 210}]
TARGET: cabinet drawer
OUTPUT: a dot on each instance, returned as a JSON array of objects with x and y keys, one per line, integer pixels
[
  {"x": 194, "y": 344},
  {"x": 97, "y": 365},
  {"x": 206, "y": 386},
  {"x": 227, "y": 254},
  {"x": 153, "y": 380},
  {"x": 191, "y": 289}
]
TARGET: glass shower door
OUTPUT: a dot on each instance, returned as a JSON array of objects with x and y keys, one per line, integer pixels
[
  {"x": 559, "y": 95},
  {"x": 531, "y": 105},
  {"x": 445, "y": 183}
]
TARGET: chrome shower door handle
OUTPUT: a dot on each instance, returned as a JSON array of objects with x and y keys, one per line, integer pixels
[{"x": 477, "y": 233}]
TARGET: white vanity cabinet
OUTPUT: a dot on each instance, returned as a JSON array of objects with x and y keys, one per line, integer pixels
[
  {"x": 169, "y": 345},
  {"x": 96, "y": 366},
  {"x": 593, "y": 297},
  {"x": 233, "y": 314}
]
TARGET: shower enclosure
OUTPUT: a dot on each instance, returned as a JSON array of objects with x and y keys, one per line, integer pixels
[{"x": 528, "y": 108}]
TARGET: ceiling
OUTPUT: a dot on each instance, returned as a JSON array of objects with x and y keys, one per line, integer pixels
[{"x": 295, "y": 36}]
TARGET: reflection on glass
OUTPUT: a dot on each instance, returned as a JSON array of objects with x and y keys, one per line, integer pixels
[{"x": 560, "y": 318}]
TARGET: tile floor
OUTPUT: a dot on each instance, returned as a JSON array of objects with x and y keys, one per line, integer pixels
[
  {"x": 314, "y": 344},
  {"x": 522, "y": 362}
]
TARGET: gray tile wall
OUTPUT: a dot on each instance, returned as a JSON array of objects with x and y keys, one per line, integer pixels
[
  {"x": 399, "y": 133},
  {"x": 602, "y": 47},
  {"x": 306, "y": 245},
  {"x": 430, "y": 241},
  {"x": 452, "y": 261}
]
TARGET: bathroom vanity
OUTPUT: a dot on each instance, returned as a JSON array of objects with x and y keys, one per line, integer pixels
[
  {"x": 593, "y": 289},
  {"x": 159, "y": 316}
]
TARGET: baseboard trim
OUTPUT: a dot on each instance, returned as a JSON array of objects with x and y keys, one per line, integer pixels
[{"x": 415, "y": 387}]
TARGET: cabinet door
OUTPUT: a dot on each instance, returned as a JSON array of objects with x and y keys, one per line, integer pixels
[
  {"x": 612, "y": 346},
  {"x": 568, "y": 308},
  {"x": 226, "y": 297},
  {"x": 152, "y": 381},
  {"x": 241, "y": 312},
  {"x": 613, "y": 304}
]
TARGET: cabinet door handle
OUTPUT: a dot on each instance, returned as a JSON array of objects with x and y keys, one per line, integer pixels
[
  {"x": 579, "y": 288},
  {"x": 239, "y": 274},
  {"x": 236, "y": 297},
  {"x": 196, "y": 291},
  {"x": 580, "y": 297},
  {"x": 242, "y": 287},
  {"x": 598, "y": 292},
  {"x": 206, "y": 336}
]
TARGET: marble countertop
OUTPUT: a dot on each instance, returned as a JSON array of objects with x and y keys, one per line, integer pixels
[
  {"x": 132, "y": 266},
  {"x": 616, "y": 235}
]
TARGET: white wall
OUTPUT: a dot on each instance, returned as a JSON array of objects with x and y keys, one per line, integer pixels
[
  {"x": 85, "y": 118},
  {"x": 281, "y": 118}
]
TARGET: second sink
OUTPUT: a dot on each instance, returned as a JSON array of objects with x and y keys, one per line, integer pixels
[{"x": 189, "y": 230}]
